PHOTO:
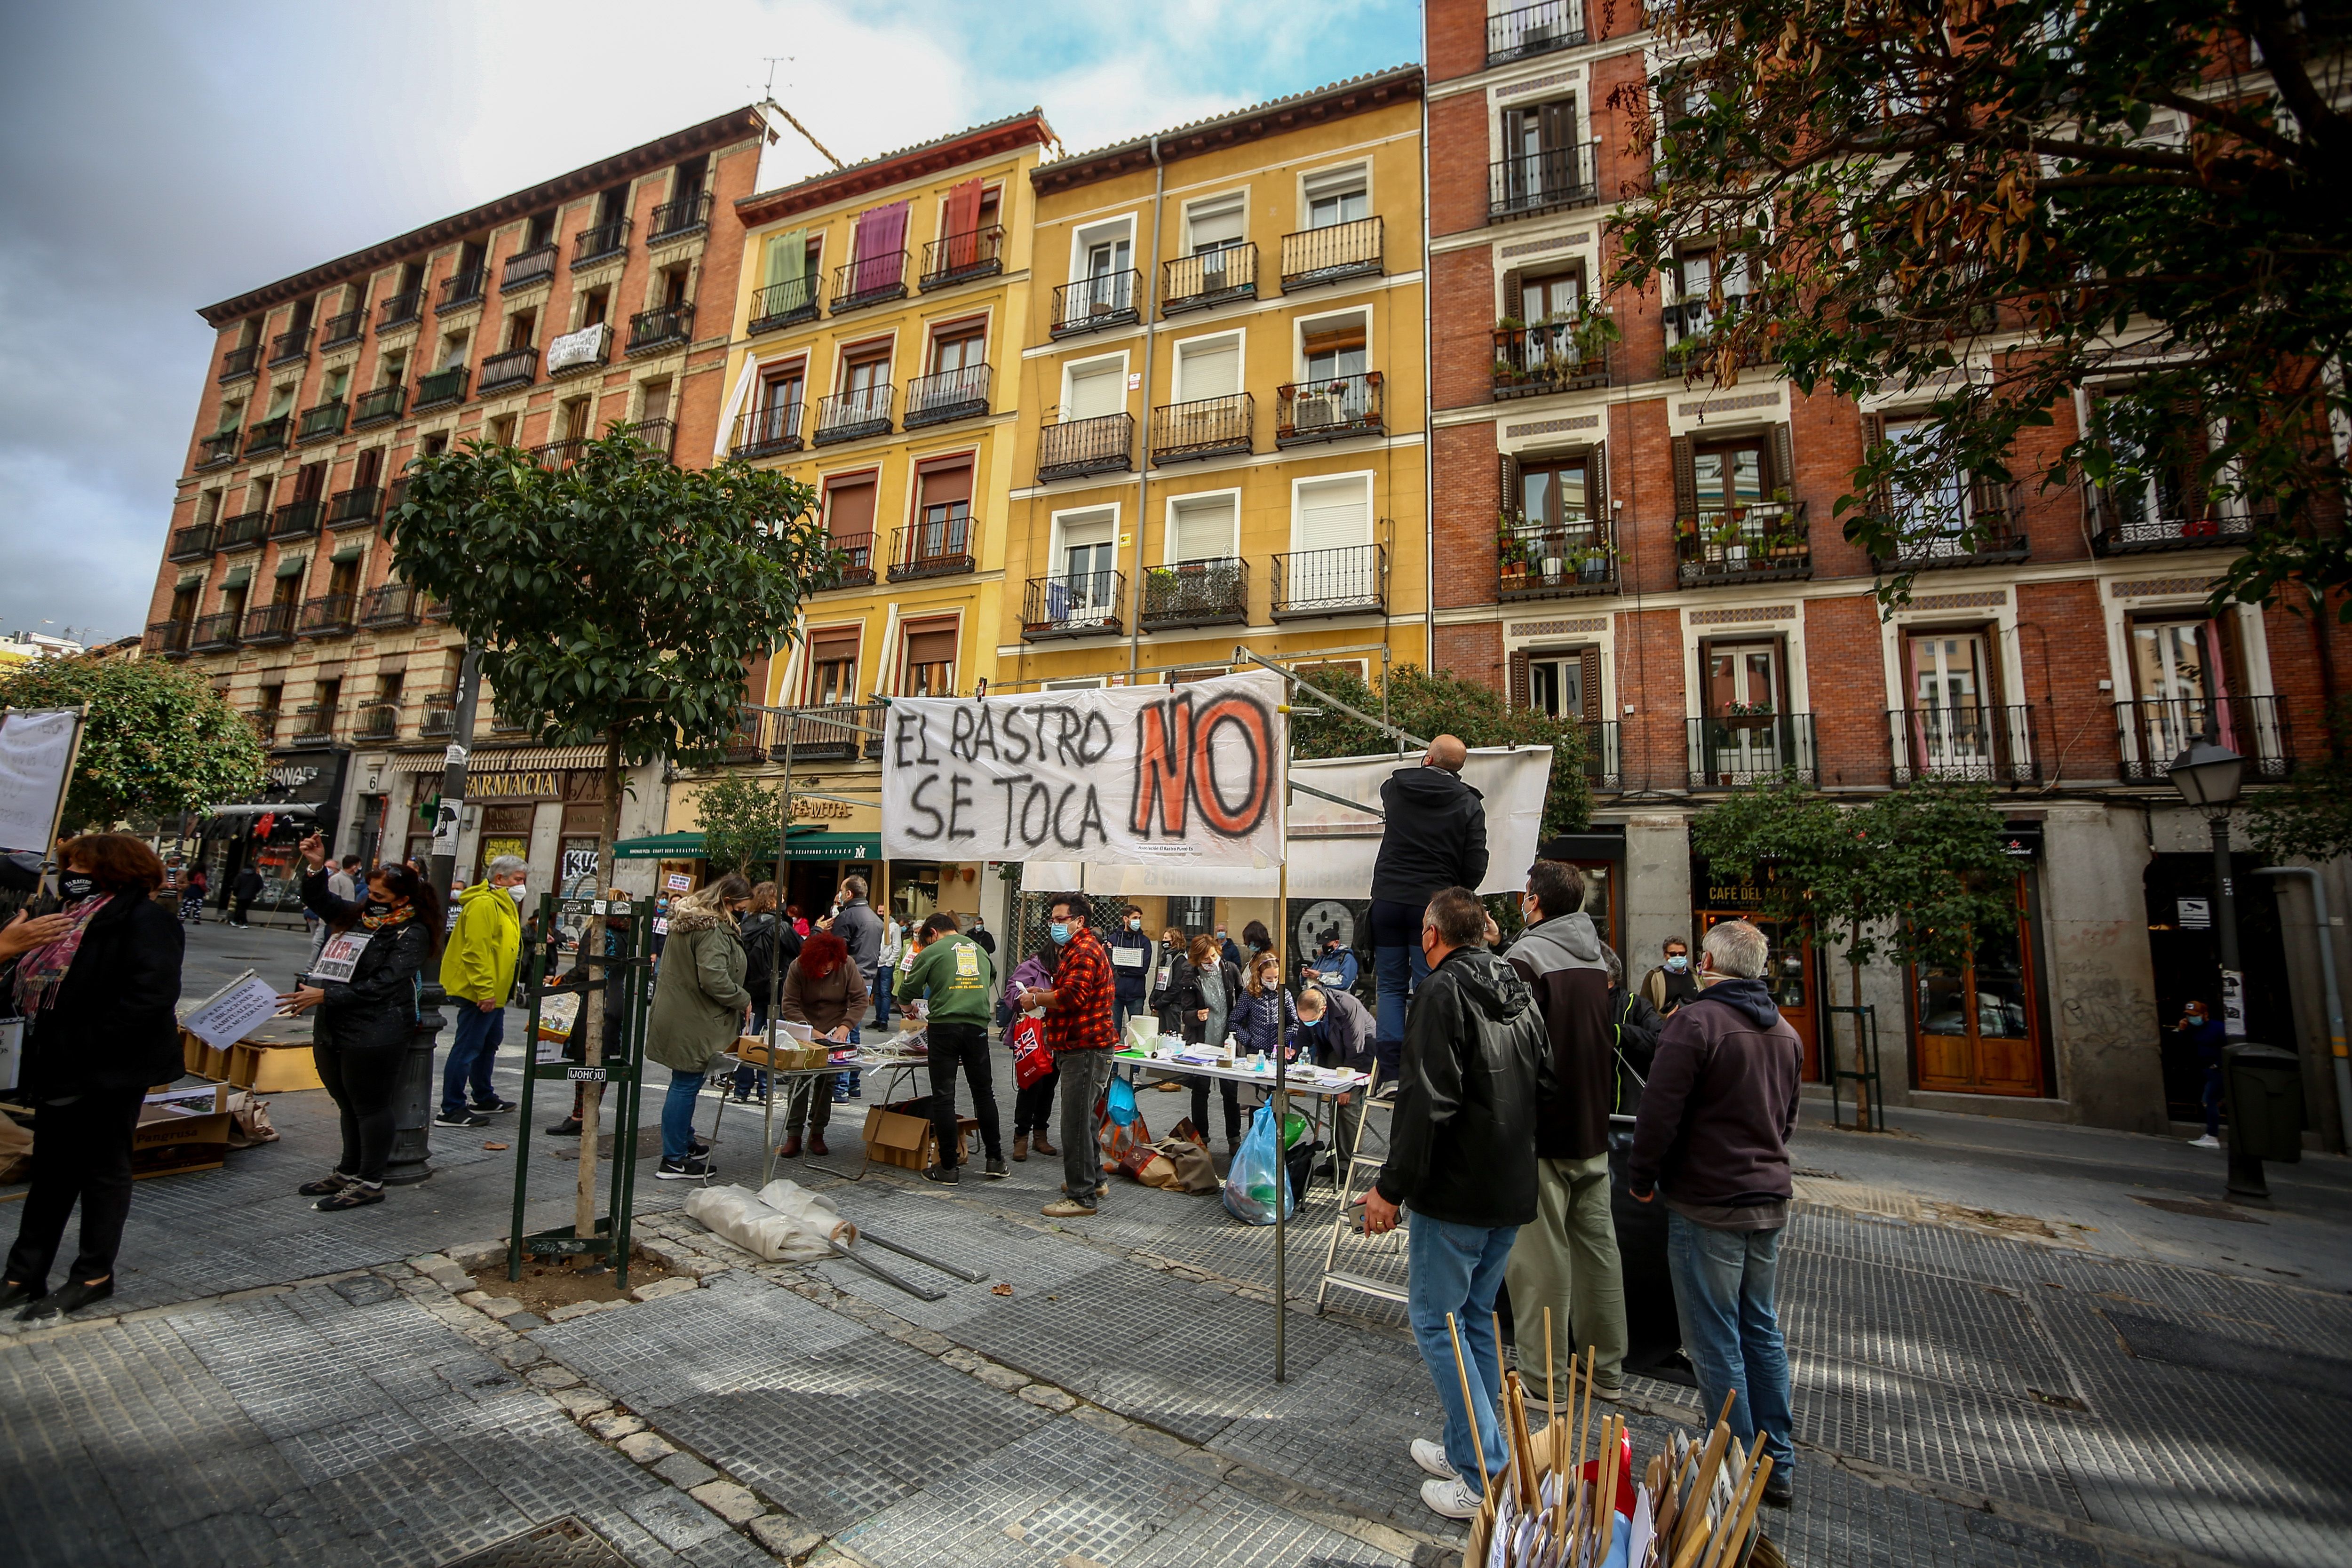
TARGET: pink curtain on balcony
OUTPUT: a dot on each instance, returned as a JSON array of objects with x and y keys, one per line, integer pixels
[
  {"x": 962, "y": 222},
  {"x": 876, "y": 257}
]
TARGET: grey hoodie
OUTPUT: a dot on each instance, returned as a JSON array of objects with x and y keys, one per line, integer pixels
[
  {"x": 1564, "y": 942},
  {"x": 861, "y": 927},
  {"x": 1561, "y": 960}
]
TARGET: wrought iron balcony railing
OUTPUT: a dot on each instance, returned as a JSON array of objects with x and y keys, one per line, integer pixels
[
  {"x": 683, "y": 216},
  {"x": 526, "y": 268},
  {"x": 1767, "y": 542},
  {"x": 1732, "y": 751},
  {"x": 961, "y": 258},
  {"x": 1208, "y": 279},
  {"x": 2154, "y": 730},
  {"x": 2145, "y": 529},
  {"x": 1328, "y": 255},
  {"x": 442, "y": 387},
  {"x": 271, "y": 623},
  {"x": 1991, "y": 745},
  {"x": 399, "y": 310},
  {"x": 314, "y": 724},
  {"x": 240, "y": 362},
  {"x": 328, "y": 615},
  {"x": 1336, "y": 409},
  {"x": 823, "y": 731},
  {"x": 286, "y": 348},
  {"x": 770, "y": 431},
  {"x": 270, "y": 435},
  {"x": 1196, "y": 594},
  {"x": 462, "y": 289},
  {"x": 169, "y": 638},
  {"x": 215, "y": 632},
  {"x": 1986, "y": 530},
  {"x": 603, "y": 240},
  {"x": 856, "y": 567},
  {"x": 1543, "y": 180},
  {"x": 244, "y": 531},
  {"x": 346, "y": 328},
  {"x": 1690, "y": 335},
  {"x": 1205, "y": 427},
  {"x": 950, "y": 395},
  {"x": 1105, "y": 445},
  {"x": 296, "y": 519},
  {"x": 787, "y": 304},
  {"x": 1076, "y": 605},
  {"x": 219, "y": 450},
  {"x": 854, "y": 415},
  {"x": 935, "y": 547},
  {"x": 376, "y": 721},
  {"x": 440, "y": 714},
  {"x": 1547, "y": 357},
  {"x": 191, "y": 543},
  {"x": 381, "y": 407},
  {"x": 1538, "y": 560},
  {"x": 559, "y": 453},
  {"x": 588, "y": 349},
  {"x": 1091, "y": 304},
  {"x": 353, "y": 507},
  {"x": 1604, "y": 763},
  {"x": 1349, "y": 579},
  {"x": 869, "y": 280},
  {"x": 322, "y": 423},
  {"x": 660, "y": 327},
  {"x": 654, "y": 434},
  {"x": 1534, "y": 30},
  {"x": 514, "y": 367},
  {"x": 393, "y": 605}
]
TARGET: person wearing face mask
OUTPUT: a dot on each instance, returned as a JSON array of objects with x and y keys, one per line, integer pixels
[
  {"x": 1130, "y": 967},
  {"x": 95, "y": 983},
  {"x": 1079, "y": 1032},
  {"x": 2204, "y": 1034},
  {"x": 1018, "y": 1013},
  {"x": 1334, "y": 970},
  {"x": 1672, "y": 983},
  {"x": 365, "y": 986},
  {"x": 1226, "y": 949},
  {"x": 700, "y": 1006},
  {"x": 478, "y": 970},
  {"x": 1214, "y": 991}
]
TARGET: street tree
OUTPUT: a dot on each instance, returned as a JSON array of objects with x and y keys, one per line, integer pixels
[
  {"x": 2309, "y": 817},
  {"x": 616, "y": 601},
  {"x": 159, "y": 740},
  {"x": 1986, "y": 208},
  {"x": 739, "y": 817}
]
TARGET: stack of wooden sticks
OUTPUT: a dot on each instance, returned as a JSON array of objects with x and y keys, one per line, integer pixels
[{"x": 1568, "y": 1497}]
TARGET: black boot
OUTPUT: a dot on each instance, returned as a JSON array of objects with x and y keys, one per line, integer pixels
[{"x": 70, "y": 1297}]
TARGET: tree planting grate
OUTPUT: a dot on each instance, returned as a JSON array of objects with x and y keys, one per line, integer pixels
[{"x": 560, "y": 1543}]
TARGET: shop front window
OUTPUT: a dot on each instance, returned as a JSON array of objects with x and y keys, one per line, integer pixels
[{"x": 1976, "y": 1021}]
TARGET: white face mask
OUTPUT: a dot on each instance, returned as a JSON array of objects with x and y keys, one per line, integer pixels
[{"x": 519, "y": 893}]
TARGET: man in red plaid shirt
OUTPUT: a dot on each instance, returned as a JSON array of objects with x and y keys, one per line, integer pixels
[{"x": 1081, "y": 1035}]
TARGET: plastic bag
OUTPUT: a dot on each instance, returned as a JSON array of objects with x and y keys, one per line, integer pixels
[
  {"x": 1032, "y": 1061},
  {"x": 1253, "y": 1182},
  {"x": 1119, "y": 1101}
]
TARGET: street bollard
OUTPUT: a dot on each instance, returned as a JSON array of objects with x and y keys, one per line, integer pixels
[
  {"x": 2262, "y": 1090},
  {"x": 414, "y": 1099}
]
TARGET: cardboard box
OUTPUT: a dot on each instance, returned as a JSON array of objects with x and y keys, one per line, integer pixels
[
  {"x": 269, "y": 1066},
  {"x": 902, "y": 1134},
  {"x": 754, "y": 1051},
  {"x": 168, "y": 1142}
]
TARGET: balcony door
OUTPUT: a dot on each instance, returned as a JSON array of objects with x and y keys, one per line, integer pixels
[
  {"x": 1095, "y": 389},
  {"x": 1086, "y": 589},
  {"x": 1337, "y": 196},
  {"x": 946, "y": 500},
  {"x": 344, "y": 579},
  {"x": 1540, "y": 150},
  {"x": 832, "y": 665},
  {"x": 1952, "y": 706},
  {"x": 1107, "y": 264},
  {"x": 2178, "y": 668},
  {"x": 1745, "y": 693},
  {"x": 1932, "y": 511}
]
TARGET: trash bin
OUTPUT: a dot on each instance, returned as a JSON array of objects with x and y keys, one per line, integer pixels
[{"x": 2261, "y": 1086}]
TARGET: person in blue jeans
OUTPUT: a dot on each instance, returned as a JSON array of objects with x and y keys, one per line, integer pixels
[
  {"x": 1435, "y": 837},
  {"x": 1712, "y": 1140},
  {"x": 1461, "y": 1156},
  {"x": 2207, "y": 1035},
  {"x": 699, "y": 1008}
]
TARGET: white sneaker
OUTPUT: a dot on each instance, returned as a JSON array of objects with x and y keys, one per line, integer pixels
[
  {"x": 1456, "y": 1498},
  {"x": 1431, "y": 1457},
  {"x": 2208, "y": 1141}
]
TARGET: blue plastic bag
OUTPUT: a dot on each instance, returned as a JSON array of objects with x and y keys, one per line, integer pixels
[
  {"x": 1255, "y": 1178},
  {"x": 1119, "y": 1101}
]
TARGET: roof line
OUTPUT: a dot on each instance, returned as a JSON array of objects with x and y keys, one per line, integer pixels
[{"x": 889, "y": 168}]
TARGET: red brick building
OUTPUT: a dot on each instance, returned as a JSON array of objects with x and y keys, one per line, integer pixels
[
  {"x": 1657, "y": 555},
  {"x": 601, "y": 297}
]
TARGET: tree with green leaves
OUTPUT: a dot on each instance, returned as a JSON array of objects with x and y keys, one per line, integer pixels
[
  {"x": 158, "y": 742},
  {"x": 616, "y": 601},
  {"x": 2309, "y": 817},
  {"x": 739, "y": 817},
  {"x": 1986, "y": 208}
]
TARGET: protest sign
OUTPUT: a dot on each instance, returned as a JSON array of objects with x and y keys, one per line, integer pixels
[
  {"x": 37, "y": 759},
  {"x": 233, "y": 1012},
  {"x": 1127, "y": 775}
]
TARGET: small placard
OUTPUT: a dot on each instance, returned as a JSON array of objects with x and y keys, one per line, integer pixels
[
  {"x": 340, "y": 956},
  {"x": 586, "y": 1075},
  {"x": 2195, "y": 914},
  {"x": 678, "y": 882}
]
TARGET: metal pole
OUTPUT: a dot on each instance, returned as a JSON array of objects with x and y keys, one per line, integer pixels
[
  {"x": 412, "y": 1138},
  {"x": 1244, "y": 656},
  {"x": 776, "y": 962},
  {"x": 1281, "y": 1064},
  {"x": 2335, "y": 1043},
  {"x": 2225, "y": 925},
  {"x": 450, "y": 817}
]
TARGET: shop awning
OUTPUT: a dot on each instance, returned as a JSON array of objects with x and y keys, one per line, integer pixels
[
  {"x": 804, "y": 844},
  {"x": 507, "y": 759}
]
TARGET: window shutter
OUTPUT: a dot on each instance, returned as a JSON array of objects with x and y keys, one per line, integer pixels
[
  {"x": 849, "y": 510},
  {"x": 1874, "y": 432},
  {"x": 961, "y": 219},
  {"x": 1511, "y": 300},
  {"x": 1204, "y": 529},
  {"x": 1594, "y": 700},
  {"x": 1686, "y": 480},
  {"x": 293, "y": 566},
  {"x": 2190, "y": 414},
  {"x": 1784, "y": 462},
  {"x": 1212, "y": 370},
  {"x": 1520, "y": 695},
  {"x": 1596, "y": 484},
  {"x": 932, "y": 646},
  {"x": 1510, "y": 500},
  {"x": 787, "y": 256},
  {"x": 1094, "y": 391},
  {"x": 1334, "y": 516},
  {"x": 947, "y": 483}
]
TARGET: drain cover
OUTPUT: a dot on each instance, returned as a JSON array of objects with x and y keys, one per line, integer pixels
[{"x": 560, "y": 1543}]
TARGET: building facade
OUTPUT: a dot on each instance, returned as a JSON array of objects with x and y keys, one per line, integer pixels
[
  {"x": 541, "y": 318},
  {"x": 1623, "y": 541}
]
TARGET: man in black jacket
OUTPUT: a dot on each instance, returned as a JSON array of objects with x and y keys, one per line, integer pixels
[
  {"x": 1131, "y": 966},
  {"x": 1435, "y": 838},
  {"x": 1462, "y": 1153}
]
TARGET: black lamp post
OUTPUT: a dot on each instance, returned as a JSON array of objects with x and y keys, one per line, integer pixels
[{"x": 2209, "y": 775}]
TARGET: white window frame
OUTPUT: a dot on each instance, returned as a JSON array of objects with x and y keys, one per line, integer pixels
[
  {"x": 1240, "y": 194},
  {"x": 1085, "y": 236},
  {"x": 1299, "y": 324},
  {"x": 1076, "y": 683},
  {"x": 1359, "y": 165},
  {"x": 1177, "y": 393},
  {"x": 1069, "y": 365},
  {"x": 1371, "y": 503},
  {"x": 1168, "y": 520},
  {"x": 1057, "y": 531}
]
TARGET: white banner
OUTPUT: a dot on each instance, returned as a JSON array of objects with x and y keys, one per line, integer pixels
[
  {"x": 1115, "y": 776},
  {"x": 36, "y": 753}
]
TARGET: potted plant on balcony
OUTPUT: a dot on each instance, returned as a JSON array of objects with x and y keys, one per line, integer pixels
[
  {"x": 1596, "y": 563},
  {"x": 1510, "y": 554},
  {"x": 1592, "y": 331}
]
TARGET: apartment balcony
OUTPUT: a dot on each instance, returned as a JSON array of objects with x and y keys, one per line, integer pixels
[
  {"x": 938, "y": 548},
  {"x": 216, "y": 633},
  {"x": 1535, "y": 29},
  {"x": 168, "y": 638},
  {"x": 961, "y": 258},
  {"x": 512, "y": 368},
  {"x": 1332, "y": 253},
  {"x": 787, "y": 304},
  {"x": 1196, "y": 594},
  {"x": 1765, "y": 543},
  {"x": 854, "y": 415},
  {"x": 561, "y": 453},
  {"x": 296, "y": 519},
  {"x": 1211, "y": 279},
  {"x": 328, "y": 615},
  {"x": 1205, "y": 427},
  {"x": 1735, "y": 750},
  {"x": 393, "y": 605},
  {"x": 1989, "y": 533},
  {"x": 1573, "y": 558},
  {"x": 869, "y": 280},
  {"x": 2149, "y": 531},
  {"x": 381, "y": 407},
  {"x": 1338, "y": 409},
  {"x": 1971, "y": 743},
  {"x": 346, "y": 328},
  {"x": 769, "y": 432},
  {"x": 217, "y": 451},
  {"x": 314, "y": 724},
  {"x": 290, "y": 348},
  {"x": 857, "y": 566},
  {"x": 950, "y": 395},
  {"x": 1076, "y": 605},
  {"x": 270, "y": 624},
  {"x": 504, "y": 723},
  {"x": 270, "y": 435},
  {"x": 1530, "y": 362},
  {"x": 823, "y": 731},
  {"x": 1690, "y": 336},
  {"x": 442, "y": 388},
  {"x": 1551, "y": 179},
  {"x": 603, "y": 240},
  {"x": 394, "y": 497},
  {"x": 191, "y": 543},
  {"x": 238, "y": 363},
  {"x": 245, "y": 531},
  {"x": 656, "y": 436},
  {"x": 461, "y": 289},
  {"x": 661, "y": 327},
  {"x": 376, "y": 721},
  {"x": 689, "y": 213},
  {"x": 1092, "y": 304},
  {"x": 588, "y": 349},
  {"x": 2154, "y": 732},
  {"x": 399, "y": 310},
  {"x": 322, "y": 423},
  {"x": 440, "y": 715},
  {"x": 1105, "y": 445},
  {"x": 1604, "y": 760},
  {"x": 526, "y": 268},
  {"x": 356, "y": 507},
  {"x": 1353, "y": 580}
]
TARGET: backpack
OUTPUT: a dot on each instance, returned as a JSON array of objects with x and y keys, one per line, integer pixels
[{"x": 759, "y": 956}]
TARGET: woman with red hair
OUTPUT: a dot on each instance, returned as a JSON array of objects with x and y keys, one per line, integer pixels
[{"x": 823, "y": 990}]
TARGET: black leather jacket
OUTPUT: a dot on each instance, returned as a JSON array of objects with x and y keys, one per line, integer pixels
[
  {"x": 1476, "y": 1063},
  {"x": 376, "y": 1007}
]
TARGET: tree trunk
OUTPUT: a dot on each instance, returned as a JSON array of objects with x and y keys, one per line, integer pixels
[{"x": 591, "y": 1004}]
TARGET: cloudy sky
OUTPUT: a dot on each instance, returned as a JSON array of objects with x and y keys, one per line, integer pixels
[{"x": 165, "y": 156}]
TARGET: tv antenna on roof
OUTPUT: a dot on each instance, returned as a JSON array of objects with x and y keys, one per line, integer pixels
[{"x": 768, "y": 102}]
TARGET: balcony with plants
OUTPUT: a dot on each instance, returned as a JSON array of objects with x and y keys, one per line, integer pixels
[
  {"x": 376, "y": 721},
  {"x": 1072, "y": 604},
  {"x": 1764, "y": 542},
  {"x": 661, "y": 327},
  {"x": 1745, "y": 745},
  {"x": 1213, "y": 592},
  {"x": 1552, "y": 179},
  {"x": 1539, "y": 560},
  {"x": 216, "y": 633},
  {"x": 1559, "y": 353},
  {"x": 1337, "y": 408},
  {"x": 314, "y": 724}
]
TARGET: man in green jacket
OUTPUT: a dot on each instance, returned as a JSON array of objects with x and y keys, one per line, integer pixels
[
  {"x": 955, "y": 973},
  {"x": 477, "y": 965}
]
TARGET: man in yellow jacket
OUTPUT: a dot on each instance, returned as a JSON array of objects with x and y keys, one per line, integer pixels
[{"x": 477, "y": 965}]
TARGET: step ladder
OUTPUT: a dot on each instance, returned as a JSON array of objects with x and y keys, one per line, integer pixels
[{"x": 1369, "y": 1153}]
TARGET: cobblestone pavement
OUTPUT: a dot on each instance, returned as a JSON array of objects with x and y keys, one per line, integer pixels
[{"x": 1976, "y": 1384}]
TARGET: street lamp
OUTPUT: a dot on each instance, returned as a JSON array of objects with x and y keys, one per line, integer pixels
[{"x": 2208, "y": 774}]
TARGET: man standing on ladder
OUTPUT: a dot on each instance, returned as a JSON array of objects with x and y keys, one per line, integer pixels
[{"x": 1435, "y": 838}]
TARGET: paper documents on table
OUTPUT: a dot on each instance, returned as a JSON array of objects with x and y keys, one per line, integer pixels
[{"x": 788, "y": 1030}]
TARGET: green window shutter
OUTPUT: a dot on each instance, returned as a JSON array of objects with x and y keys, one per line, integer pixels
[
  {"x": 293, "y": 567},
  {"x": 188, "y": 580},
  {"x": 348, "y": 553},
  {"x": 787, "y": 256},
  {"x": 239, "y": 576}
]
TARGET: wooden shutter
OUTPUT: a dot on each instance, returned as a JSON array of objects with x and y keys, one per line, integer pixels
[
  {"x": 1511, "y": 301},
  {"x": 1509, "y": 497},
  {"x": 1596, "y": 484},
  {"x": 934, "y": 646},
  {"x": 2189, "y": 415},
  {"x": 1874, "y": 432},
  {"x": 1520, "y": 695},
  {"x": 1686, "y": 478},
  {"x": 946, "y": 483},
  {"x": 1595, "y": 705},
  {"x": 849, "y": 509},
  {"x": 961, "y": 219},
  {"x": 1784, "y": 463}
]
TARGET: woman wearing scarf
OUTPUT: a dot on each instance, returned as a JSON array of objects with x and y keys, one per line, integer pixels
[
  {"x": 364, "y": 985},
  {"x": 700, "y": 1006},
  {"x": 1216, "y": 990},
  {"x": 823, "y": 990},
  {"x": 95, "y": 984}
]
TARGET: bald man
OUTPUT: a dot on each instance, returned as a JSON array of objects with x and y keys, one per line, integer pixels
[{"x": 1435, "y": 838}]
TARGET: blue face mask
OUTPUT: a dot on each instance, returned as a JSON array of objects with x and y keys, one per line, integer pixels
[
  {"x": 1059, "y": 931},
  {"x": 1677, "y": 963}
]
